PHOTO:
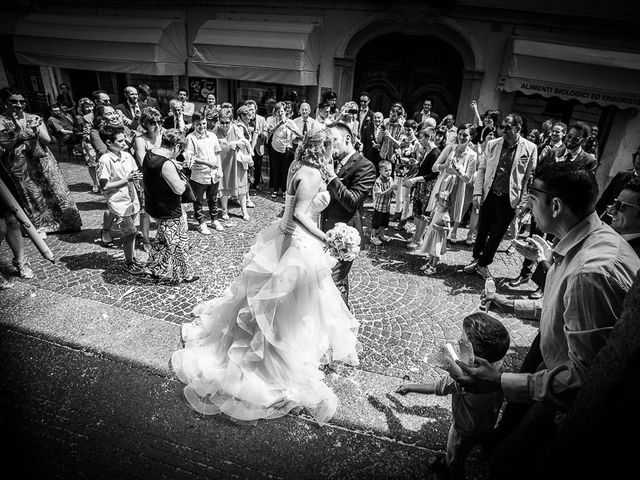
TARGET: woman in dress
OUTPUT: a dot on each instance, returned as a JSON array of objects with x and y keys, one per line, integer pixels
[
  {"x": 148, "y": 139},
  {"x": 423, "y": 183},
  {"x": 163, "y": 188},
  {"x": 43, "y": 189},
  {"x": 255, "y": 352},
  {"x": 210, "y": 111},
  {"x": 456, "y": 165},
  {"x": 85, "y": 109},
  {"x": 236, "y": 150}
]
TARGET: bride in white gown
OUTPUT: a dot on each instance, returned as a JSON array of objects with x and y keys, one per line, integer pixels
[{"x": 255, "y": 352}]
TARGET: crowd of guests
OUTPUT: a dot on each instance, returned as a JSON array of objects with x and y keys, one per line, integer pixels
[{"x": 433, "y": 177}]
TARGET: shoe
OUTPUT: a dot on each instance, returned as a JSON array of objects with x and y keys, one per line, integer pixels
[
  {"x": 516, "y": 282},
  {"x": 203, "y": 229},
  {"x": 225, "y": 216},
  {"x": 375, "y": 241},
  {"x": 133, "y": 269},
  {"x": 511, "y": 250},
  {"x": 384, "y": 238},
  {"x": 245, "y": 217},
  {"x": 139, "y": 262},
  {"x": 469, "y": 241},
  {"x": 217, "y": 225},
  {"x": 483, "y": 271},
  {"x": 23, "y": 270},
  {"x": 412, "y": 245},
  {"x": 95, "y": 189},
  {"x": 471, "y": 268},
  {"x": 42, "y": 234},
  {"x": 4, "y": 283},
  {"x": 105, "y": 236},
  {"x": 537, "y": 294},
  {"x": 429, "y": 270},
  {"x": 250, "y": 203},
  {"x": 452, "y": 240},
  {"x": 273, "y": 195},
  {"x": 190, "y": 279}
]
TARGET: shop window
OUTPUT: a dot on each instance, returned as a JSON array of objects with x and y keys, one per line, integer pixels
[{"x": 264, "y": 95}]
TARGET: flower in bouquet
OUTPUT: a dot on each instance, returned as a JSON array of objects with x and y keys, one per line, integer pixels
[{"x": 343, "y": 242}]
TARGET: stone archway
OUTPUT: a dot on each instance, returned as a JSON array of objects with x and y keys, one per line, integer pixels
[{"x": 418, "y": 24}]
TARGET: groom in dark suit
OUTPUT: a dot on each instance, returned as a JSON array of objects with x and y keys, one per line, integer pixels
[{"x": 348, "y": 185}]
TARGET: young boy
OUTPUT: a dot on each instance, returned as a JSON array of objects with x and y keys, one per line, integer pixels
[
  {"x": 118, "y": 170},
  {"x": 474, "y": 415},
  {"x": 383, "y": 190},
  {"x": 202, "y": 153}
]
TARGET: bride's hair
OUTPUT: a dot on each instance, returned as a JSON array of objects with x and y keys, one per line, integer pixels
[{"x": 314, "y": 148}]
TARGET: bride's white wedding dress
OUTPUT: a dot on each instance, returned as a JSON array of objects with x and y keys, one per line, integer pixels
[{"x": 255, "y": 352}]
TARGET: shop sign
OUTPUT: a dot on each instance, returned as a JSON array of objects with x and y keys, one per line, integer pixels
[
  {"x": 199, "y": 88},
  {"x": 568, "y": 92}
]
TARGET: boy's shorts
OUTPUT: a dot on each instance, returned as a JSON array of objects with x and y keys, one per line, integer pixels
[
  {"x": 380, "y": 219},
  {"x": 128, "y": 224}
]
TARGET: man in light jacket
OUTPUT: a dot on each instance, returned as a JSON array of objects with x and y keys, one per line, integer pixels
[{"x": 500, "y": 190}]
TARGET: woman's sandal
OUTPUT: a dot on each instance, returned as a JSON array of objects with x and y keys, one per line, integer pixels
[{"x": 105, "y": 237}]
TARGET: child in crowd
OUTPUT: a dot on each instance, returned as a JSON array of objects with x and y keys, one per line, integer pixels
[
  {"x": 118, "y": 170},
  {"x": 383, "y": 190},
  {"x": 474, "y": 414},
  {"x": 434, "y": 243}
]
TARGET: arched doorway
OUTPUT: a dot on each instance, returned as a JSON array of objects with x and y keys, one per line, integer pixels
[{"x": 409, "y": 68}]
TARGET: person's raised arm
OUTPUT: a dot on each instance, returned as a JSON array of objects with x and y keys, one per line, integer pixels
[{"x": 139, "y": 150}]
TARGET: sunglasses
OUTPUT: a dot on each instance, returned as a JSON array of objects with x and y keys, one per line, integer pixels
[
  {"x": 16, "y": 102},
  {"x": 539, "y": 190},
  {"x": 364, "y": 101},
  {"x": 506, "y": 127},
  {"x": 225, "y": 123},
  {"x": 619, "y": 204}
]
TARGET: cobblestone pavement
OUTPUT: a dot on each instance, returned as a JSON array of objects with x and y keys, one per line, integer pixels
[{"x": 403, "y": 315}]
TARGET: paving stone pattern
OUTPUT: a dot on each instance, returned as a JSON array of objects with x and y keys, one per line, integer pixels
[{"x": 403, "y": 315}]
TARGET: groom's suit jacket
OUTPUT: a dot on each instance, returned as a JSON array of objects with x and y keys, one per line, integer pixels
[{"x": 348, "y": 192}]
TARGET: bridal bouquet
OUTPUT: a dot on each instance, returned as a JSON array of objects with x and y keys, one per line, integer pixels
[{"x": 344, "y": 242}]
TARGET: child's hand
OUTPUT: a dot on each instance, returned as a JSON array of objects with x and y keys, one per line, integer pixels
[{"x": 403, "y": 390}]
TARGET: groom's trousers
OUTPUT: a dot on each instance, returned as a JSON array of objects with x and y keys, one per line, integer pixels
[{"x": 340, "y": 275}]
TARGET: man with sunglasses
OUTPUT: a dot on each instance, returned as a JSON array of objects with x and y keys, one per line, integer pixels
[
  {"x": 615, "y": 186},
  {"x": 625, "y": 213},
  {"x": 592, "y": 268},
  {"x": 500, "y": 190},
  {"x": 365, "y": 120}
]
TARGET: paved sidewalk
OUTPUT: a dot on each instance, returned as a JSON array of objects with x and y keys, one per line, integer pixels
[{"x": 86, "y": 302}]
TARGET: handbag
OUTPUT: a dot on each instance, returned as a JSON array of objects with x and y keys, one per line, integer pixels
[{"x": 187, "y": 196}]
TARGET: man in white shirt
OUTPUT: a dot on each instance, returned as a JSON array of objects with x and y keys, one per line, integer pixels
[
  {"x": 188, "y": 108},
  {"x": 202, "y": 155},
  {"x": 304, "y": 123}
]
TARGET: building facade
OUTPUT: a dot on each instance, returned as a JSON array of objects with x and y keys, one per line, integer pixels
[{"x": 566, "y": 60}]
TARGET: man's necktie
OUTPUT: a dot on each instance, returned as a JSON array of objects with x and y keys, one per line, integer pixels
[{"x": 304, "y": 128}]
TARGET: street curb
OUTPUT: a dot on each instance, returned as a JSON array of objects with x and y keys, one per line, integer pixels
[{"x": 368, "y": 403}]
